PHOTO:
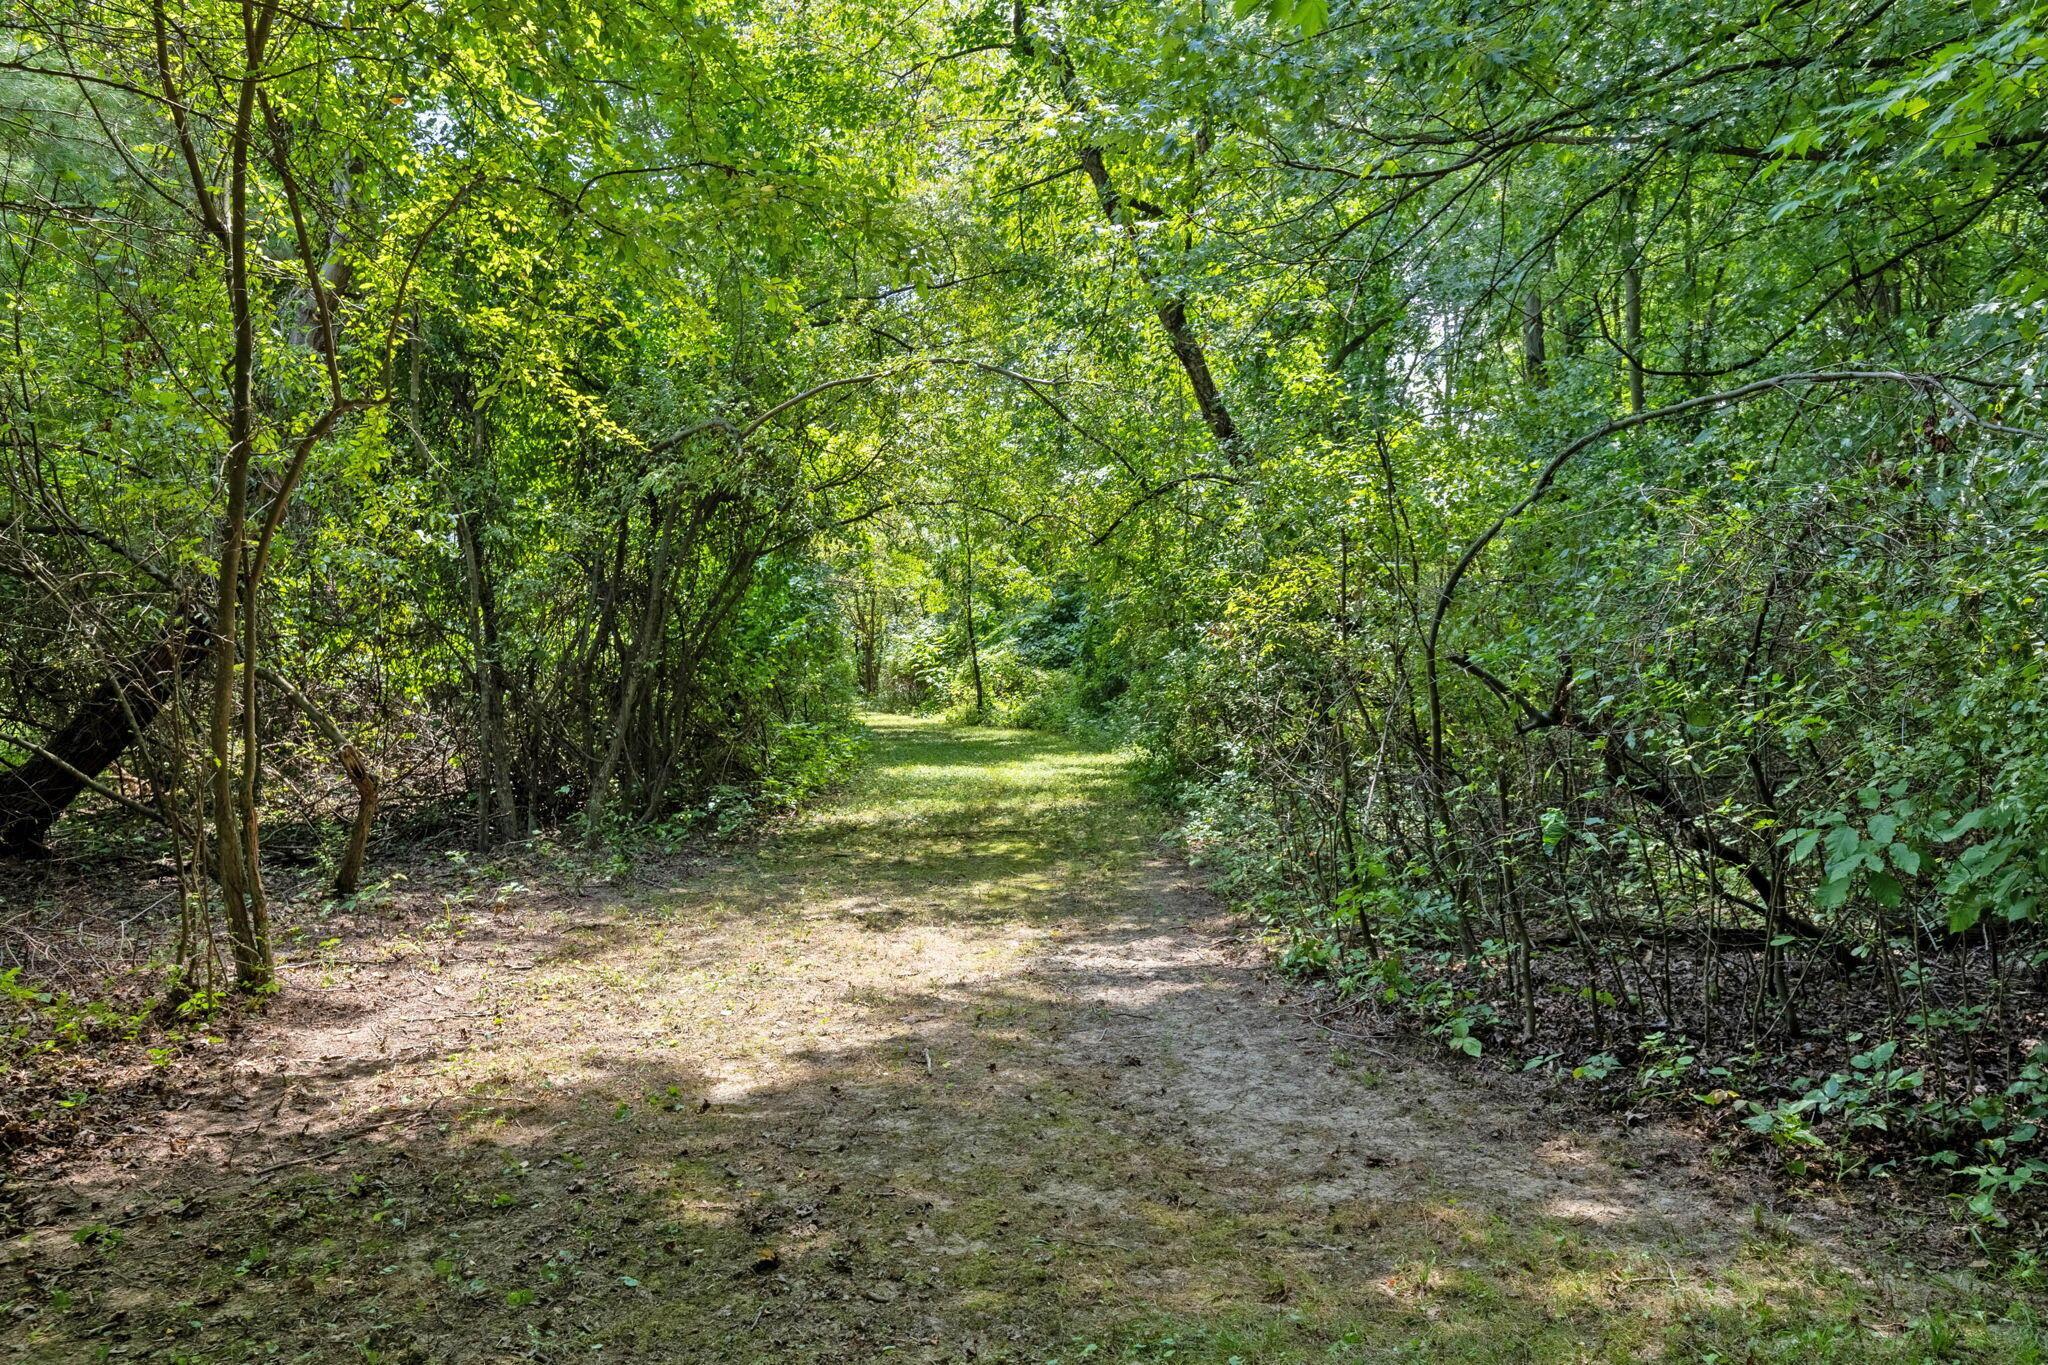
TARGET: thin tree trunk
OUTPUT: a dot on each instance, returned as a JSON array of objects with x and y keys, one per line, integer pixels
[
  {"x": 349, "y": 873},
  {"x": 973, "y": 645},
  {"x": 502, "y": 811},
  {"x": 637, "y": 667},
  {"x": 1172, "y": 312},
  {"x": 1534, "y": 363},
  {"x": 1632, "y": 307},
  {"x": 234, "y": 820}
]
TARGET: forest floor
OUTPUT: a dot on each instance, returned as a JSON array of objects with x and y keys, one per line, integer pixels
[{"x": 960, "y": 1065}]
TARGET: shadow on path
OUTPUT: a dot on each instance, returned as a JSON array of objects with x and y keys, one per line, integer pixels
[{"x": 958, "y": 1067}]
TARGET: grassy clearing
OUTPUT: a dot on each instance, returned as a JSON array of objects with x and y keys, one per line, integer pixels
[{"x": 951, "y": 1068}]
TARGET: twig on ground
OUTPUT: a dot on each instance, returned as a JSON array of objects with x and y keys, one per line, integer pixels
[{"x": 412, "y": 1118}]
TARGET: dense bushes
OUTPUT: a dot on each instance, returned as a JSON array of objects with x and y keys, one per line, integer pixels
[
  {"x": 1719, "y": 788},
  {"x": 400, "y": 426},
  {"x": 1730, "y": 793}
]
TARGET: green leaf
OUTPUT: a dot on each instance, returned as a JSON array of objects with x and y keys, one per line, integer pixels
[
  {"x": 1963, "y": 826},
  {"x": 1311, "y": 16}
]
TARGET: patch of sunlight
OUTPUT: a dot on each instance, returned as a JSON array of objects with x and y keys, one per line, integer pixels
[{"x": 1586, "y": 1208}]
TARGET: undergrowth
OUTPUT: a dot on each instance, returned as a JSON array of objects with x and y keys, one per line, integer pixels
[{"x": 1843, "y": 1102}]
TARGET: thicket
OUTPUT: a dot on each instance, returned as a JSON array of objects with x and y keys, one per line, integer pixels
[{"x": 1555, "y": 494}]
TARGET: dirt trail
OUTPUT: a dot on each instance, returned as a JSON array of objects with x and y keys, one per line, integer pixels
[{"x": 960, "y": 1066}]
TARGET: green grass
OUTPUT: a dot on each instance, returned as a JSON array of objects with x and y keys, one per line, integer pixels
[{"x": 940, "y": 1147}]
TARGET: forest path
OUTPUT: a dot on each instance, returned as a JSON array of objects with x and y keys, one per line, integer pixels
[{"x": 958, "y": 1066}]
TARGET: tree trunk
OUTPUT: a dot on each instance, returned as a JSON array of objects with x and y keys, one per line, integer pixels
[
  {"x": 33, "y": 795},
  {"x": 1632, "y": 308},
  {"x": 238, "y": 856},
  {"x": 498, "y": 800},
  {"x": 1534, "y": 366},
  {"x": 637, "y": 666},
  {"x": 1172, "y": 312},
  {"x": 973, "y": 645},
  {"x": 350, "y": 873}
]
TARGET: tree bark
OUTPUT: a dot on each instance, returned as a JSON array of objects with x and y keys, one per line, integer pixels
[
  {"x": 973, "y": 645},
  {"x": 34, "y": 794},
  {"x": 349, "y": 873},
  {"x": 499, "y": 800},
  {"x": 1172, "y": 312},
  {"x": 1535, "y": 368},
  {"x": 238, "y": 858},
  {"x": 1632, "y": 307}
]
